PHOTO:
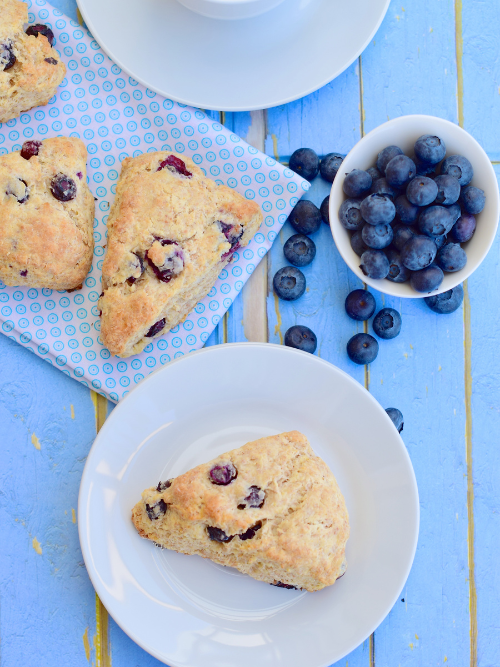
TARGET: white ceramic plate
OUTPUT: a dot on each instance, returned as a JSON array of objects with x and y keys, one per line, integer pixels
[
  {"x": 189, "y": 612},
  {"x": 239, "y": 65}
]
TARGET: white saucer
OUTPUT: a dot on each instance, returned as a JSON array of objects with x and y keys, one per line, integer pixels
[
  {"x": 253, "y": 63},
  {"x": 189, "y": 612}
]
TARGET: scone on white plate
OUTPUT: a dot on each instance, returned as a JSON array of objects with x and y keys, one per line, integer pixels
[
  {"x": 271, "y": 509},
  {"x": 171, "y": 230}
]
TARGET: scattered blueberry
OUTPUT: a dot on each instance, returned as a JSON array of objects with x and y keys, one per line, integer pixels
[
  {"x": 400, "y": 171},
  {"x": 451, "y": 257},
  {"x": 473, "y": 199},
  {"x": 299, "y": 250},
  {"x": 329, "y": 166},
  {"x": 402, "y": 234},
  {"x": 448, "y": 189},
  {"x": 7, "y": 57},
  {"x": 156, "y": 328},
  {"x": 459, "y": 167},
  {"x": 305, "y": 217},
  {"x": 405, "y": 210},
  {"x": 301, "y": 338},
  {"x": 387, "y": 323},
  {"x": 386, "y": 155},
  {"x": 377, "y": 209},
  {"x": 421, "y": 191},
  {"x": 435, "y": 221},
  {"x": 362, "y": 349},
  {"x": 222, "y": 475},
  {"x": 256, "y": 497},
  {"x": 218, "y": 535},
  {"x": 357, "y": 243},
  {"x": 157, "y": 510},
  {"x": 430, "y": 149},
  {"x": 382, "y": 187},
  {"x": 324, "y": 209},
  {"x": 427, "y": 279},
  {"x": 174, "y": 163},
  {"x": 455, "y": 211},
  {"x": 464, "y": 228},
  {"x": 360, "y": 305},
  {"x": 41, "y": 29},
  {"x": 398, "y": 273},
  {"x": 63, "y": 187},
  {"x": 163, "y": 486},
  {"x": 418, "y": 253},
  {"x": 356, "y": 183},
  {"x": 377, "y": 236},
  {"x": 374, "y": 264},
  {"x": 374, "y": 173},
  {"x": 350, "y": 215},
  {"x": 305, "y": 162},
  {"x": 289, "y": 283},
  {"x": 446, "y": 302},
  {"x": 30, "y": 148},
  {"x": 250, "y": 532},
  {"x": 396, "y": 415}
]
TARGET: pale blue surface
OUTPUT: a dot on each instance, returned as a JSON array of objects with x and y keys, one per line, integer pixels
[{"x": 410, "y": 67}]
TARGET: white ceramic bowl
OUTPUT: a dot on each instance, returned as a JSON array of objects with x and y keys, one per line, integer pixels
[
  {"x": 230, "y": 9},
  {"x": 403, "y": 132}
]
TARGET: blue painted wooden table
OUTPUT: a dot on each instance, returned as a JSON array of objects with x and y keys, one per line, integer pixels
[{"x": 439, "y": 57}]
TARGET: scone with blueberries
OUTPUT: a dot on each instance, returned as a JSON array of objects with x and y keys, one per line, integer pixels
[
  {"x": 46, "y": 215},
  {"x": 30, "y": 69},
  {"x": 171, "y": 230},
  {"x": 272, "y": 509}
]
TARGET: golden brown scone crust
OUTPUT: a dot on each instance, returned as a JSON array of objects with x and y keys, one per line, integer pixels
[
  {"x": 152, "y": 206},
  {"x": 305, "y": 525},
  {"x": 32, "y": 81},
  {"x": 45, "y": 242}
]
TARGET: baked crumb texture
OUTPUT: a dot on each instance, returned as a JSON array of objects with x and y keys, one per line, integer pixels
[
  {"x": 171, "y": 231},
  {"x": 37, "y": 71},
  {"x": 283, "y": 518},
  {"x": 45, "y": 242}
]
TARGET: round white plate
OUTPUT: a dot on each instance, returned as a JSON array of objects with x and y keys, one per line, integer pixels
[
  {"x": 189, "y": 612},
  {"x": 238, "y": 65}
]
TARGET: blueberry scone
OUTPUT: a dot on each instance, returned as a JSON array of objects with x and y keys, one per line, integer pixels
[
  {"x": 271, "y": 509},
  {"x": 30, "y": 69},
  {"x": 46, "y": 215},
  {"x": 171, "y": 231}
]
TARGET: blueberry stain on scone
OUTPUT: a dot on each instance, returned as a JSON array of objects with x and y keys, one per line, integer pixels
[
  {"x": 137, "y": 269},
  {"x": 222, "y": 475},
  {"x": 166, "y": 259},
  {"x": 156, "y": 328},
  {"x": 250, "y": 532},
  {"x": 280, "y": 584},
  {"x": 19, "y": 189},
  {"x": 255, "y": 498},
  {"x": 157, "y": 510},
  {"x": 7, "y": 57},
  {"x": 163, "y": 486},
  {"x": 30, "y": 149},
  {"x": 63, "y": 187},
  {"x": 176, "y": 165},
  {"x": 41, "y": 29},
  {"x": 218, "y": 535},
  {"x": 51, "y": 61}
]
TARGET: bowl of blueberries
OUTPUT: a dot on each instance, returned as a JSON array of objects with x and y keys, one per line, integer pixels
[{"x": 414, "y": 207}]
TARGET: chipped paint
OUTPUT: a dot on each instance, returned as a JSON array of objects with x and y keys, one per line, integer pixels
[
  {"x": 439, "y": 368},
  {"x": 101, "y": 640},
  {"x": 37, "y": 546},
  {"x": 275, "y": 147},
  {"x": 35, "y": 441},
  {"x": 411, "y": 645},
  {"x": 277, "y": 328},
  {"x": 72, "y": 411},
  {"x": 73, "y": 515},
  {"x": 86, "y": 643}
]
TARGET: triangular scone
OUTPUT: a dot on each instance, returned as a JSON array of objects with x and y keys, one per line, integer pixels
[
  {"x": 271, "y": 509},
  {"x": 171, "y": 231},
  {"x": 30, "y": 69}
]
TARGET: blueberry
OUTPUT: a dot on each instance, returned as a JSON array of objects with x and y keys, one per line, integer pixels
[
  {"x": 299, "y": 250},
  {"x": 330, "y": 165},
  {"x": 157, "y": 510},
  {"x": 163, "y": 486},
  {"x": 301, "y": 338},
  {"x": 356, "y": 183},
  {"x": 305, "y": 162},
  {"x": 357, "y": 243},
  {"x": 405, "y": 210},
  {"x": 222, "y": 475},
  {"x": 430, "y": 149},
  {"x": 362, "y": 348},
  {"x": 459, "y": 167},
  {"x": 382, "y": 187},
  {"x": 396, "y": 415},
  {"x": 448, "y": 189},
  {"x": 400, "y": 171},
  {"x": 402, "y": 234},
  {"x": 435, "y": 221},
  {"x": 7, "y": 57},
  {"x": 305, "y": 218},
  {"x": 387, "y": 323},
  {"x": 51, "y": 61},
  {"x": 440, "y": 241},
  {"x": 377, "y": 236},
  {"x": 360, "y": 305},
  {"x": 250, "y": 532},
  {"x": 136, "y": 265},
  {"x": 424, "y": 168},
  {"x": 418, "y": 253},
  {"x": 63, "y": 187},
  {"x": 377, "y": 209},
  {"x": 398, "y": 273},
  {"x": 280, "y": 584},
  {"x": 289, "y": 283},
  {"x": 386, "y": 155},
  {"x": 451, "y": 257},
  {"x": 374, "y": 173},
  {"x": 455, "y": 211},
  {"x": 218, "y": 535},
  {"x": 464, "y": 228},
  {"x": 175, "y": 164},
  {"x": 173, "y": 261},
  {"x": 30, "y": 148},
  {"x": 156, "y": 328},
  {"x": 446, "y": 302},
  {"x": 41, "y": 29},
  {"x": 427, "y": 279},
  {"x": 255, "y": 498},
  {"x": 421, "y": 191},
  {"x": 350, "y": 215},
  {"x": 473, "y": 199},
  {"x": 324, "y": 209},
  {"x": 374, "y": 264}
]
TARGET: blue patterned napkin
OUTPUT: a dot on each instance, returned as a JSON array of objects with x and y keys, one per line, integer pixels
[{"x": 116, "y": 117}]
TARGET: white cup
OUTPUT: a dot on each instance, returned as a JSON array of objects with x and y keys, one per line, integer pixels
[{"x": 230, "y": 9}]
